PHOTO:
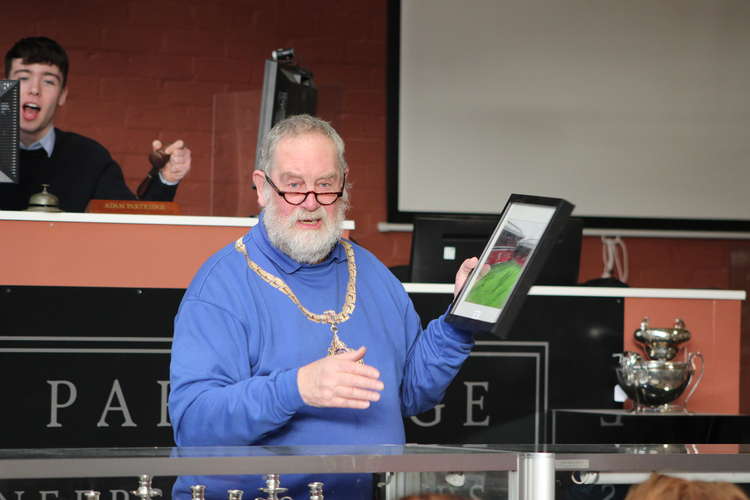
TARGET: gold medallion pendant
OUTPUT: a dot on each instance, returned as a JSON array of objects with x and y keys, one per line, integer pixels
[{"x": 337, "y": 346}]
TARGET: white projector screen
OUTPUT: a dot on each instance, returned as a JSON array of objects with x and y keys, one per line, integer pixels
[{"x": 635, "y": 109}]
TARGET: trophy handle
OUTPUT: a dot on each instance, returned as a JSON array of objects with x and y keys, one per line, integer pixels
[{"x": 691, "y": 360}]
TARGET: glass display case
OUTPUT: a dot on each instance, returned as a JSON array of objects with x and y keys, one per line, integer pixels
[{"x": 473, "y": 471}]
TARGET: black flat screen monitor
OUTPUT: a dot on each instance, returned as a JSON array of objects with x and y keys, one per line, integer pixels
[
  {"x": 9, "y": 129},
  {"x": 441, "y": 243},
  {"x": 288, "y": 90}
]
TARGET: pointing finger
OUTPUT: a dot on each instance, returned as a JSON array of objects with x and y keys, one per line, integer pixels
[{"x": 178, "y": 144}]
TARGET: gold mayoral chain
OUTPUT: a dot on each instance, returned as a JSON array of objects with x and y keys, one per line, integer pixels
[{"x": 330, "y": 317}]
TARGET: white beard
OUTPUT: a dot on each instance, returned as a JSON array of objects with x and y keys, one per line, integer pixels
[{"x": 303, "y": 245}]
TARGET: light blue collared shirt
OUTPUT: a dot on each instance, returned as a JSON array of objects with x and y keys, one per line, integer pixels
[{"x": 47, "y": 143}]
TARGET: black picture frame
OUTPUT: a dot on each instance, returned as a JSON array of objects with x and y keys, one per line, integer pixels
[{"x": 515, "y": 253}]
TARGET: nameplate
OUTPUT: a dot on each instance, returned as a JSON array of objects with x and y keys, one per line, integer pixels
[{"x": 133, "y": 207}]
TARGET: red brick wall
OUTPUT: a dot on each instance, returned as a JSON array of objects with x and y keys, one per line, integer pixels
[
  {"x": 151, "y": 69},
  {"x": 671, "y": 263}
]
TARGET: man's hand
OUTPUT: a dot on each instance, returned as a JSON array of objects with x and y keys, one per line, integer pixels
[
  {"x": 339, "y": 382},
  {"x": 463, "y": 273},
  {"x": 179, "y": 162}
]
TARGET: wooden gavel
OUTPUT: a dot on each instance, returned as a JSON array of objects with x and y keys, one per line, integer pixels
[{"x": 157, "y": 159}]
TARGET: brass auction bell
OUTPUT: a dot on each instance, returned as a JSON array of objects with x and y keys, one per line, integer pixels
[{"x": 44, "y": 201}]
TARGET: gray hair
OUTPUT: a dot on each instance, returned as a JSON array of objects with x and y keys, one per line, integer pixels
[{"x": 294, "y": 126}]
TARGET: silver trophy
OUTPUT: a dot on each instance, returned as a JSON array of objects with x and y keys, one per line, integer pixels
[{"x": 656, "y": 381}]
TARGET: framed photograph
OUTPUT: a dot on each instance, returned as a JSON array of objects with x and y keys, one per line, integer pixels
[{"x": 510, "y": 263}]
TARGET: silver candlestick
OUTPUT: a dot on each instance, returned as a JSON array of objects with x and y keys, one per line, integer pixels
[
  {"x": 145, "y": 491},
  {"x": 91, "y": 495},
  {"x": 273, "y": 488},
  {"x": 316, "y": 490},
  {"x": 234, "y": 494},
  {"x": 198, "y": 492}
]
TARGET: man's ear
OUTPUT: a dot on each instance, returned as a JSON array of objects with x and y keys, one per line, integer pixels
[
  {"x": 63, "y": 97},
  {"x": 259, "y": 179}
]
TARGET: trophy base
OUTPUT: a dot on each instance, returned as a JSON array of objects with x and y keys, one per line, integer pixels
[{"x": 664, "y": 408}]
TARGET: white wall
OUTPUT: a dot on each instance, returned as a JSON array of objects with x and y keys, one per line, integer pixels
[{"x": 627, "y": 108}]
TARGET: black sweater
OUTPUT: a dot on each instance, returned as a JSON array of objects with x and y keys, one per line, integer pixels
[{"x": 79, "y": 170}]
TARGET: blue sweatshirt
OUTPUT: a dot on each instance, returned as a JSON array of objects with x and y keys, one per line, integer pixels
[{"x": 239, "y": 342}]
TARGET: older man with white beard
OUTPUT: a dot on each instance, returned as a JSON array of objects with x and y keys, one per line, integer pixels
[{"x": 261, "y": 352}]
